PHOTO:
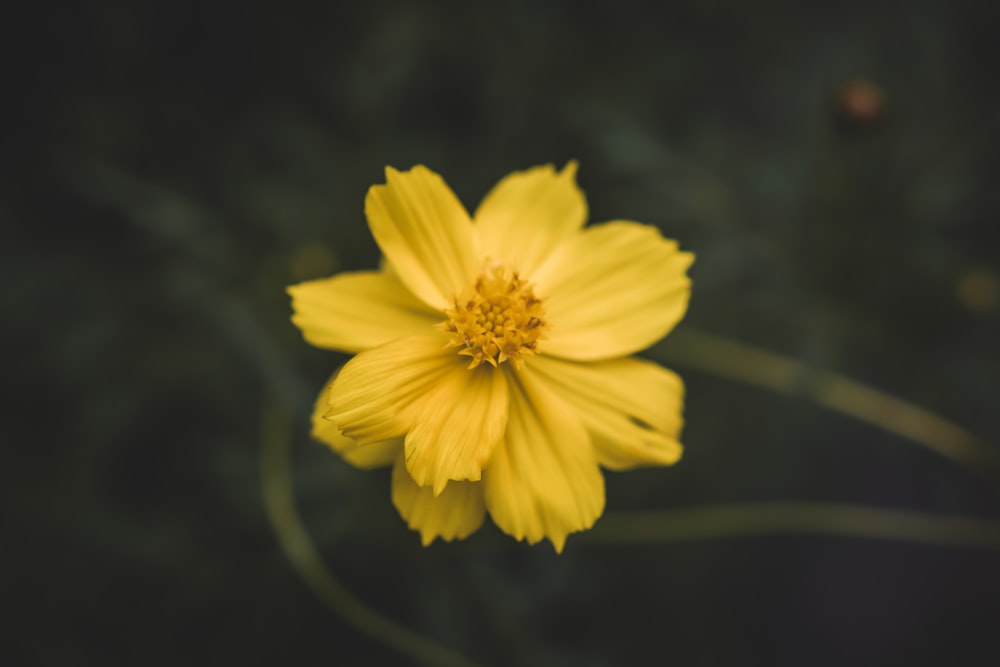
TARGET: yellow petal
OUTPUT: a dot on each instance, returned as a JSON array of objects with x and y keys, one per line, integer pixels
[
  {"x": 375, "y": 455},
  {"x": 528, "y": 214},
  {"x": 352, "y": 312},
  {"x": 612, "y": 290},
  {"x": 631, "y": 407},
  {"x": 543, "y": 480},
  {"x": 456, "y": 425},
  {"x": 372, "y": 397},
  {"x": 454, "y": 514},
  {"x": 425, "y": 233}
]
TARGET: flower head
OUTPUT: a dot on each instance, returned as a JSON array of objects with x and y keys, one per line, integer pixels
[{"x": 492, "y": 366}]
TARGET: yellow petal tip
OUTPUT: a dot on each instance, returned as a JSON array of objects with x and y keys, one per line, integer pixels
[{"x": 570, "y": 169}]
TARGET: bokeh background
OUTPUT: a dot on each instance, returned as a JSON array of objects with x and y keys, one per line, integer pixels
[{"x": 168, "y": 168}]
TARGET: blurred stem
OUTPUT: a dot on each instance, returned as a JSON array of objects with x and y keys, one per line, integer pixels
[
  {"x": 772, "y": 371},
  {"x": 708, "y": 353},
  {"x": 745, "y": 519},
  {"x": 275, "y": 456}
]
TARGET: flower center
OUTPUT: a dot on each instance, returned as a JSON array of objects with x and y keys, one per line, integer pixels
[{"x": 497, "y": 319}]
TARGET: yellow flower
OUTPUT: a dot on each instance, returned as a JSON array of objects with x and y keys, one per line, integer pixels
[{"x": 491, "y": 367}]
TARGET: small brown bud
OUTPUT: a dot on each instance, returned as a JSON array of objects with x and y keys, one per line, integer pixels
[{"x": 860, "y": 104}]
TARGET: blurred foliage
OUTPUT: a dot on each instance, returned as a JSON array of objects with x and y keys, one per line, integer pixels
[{"x": 167, "y": 168}]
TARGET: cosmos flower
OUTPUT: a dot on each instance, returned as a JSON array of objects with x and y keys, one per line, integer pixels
[{"x": 492, "y": 366}]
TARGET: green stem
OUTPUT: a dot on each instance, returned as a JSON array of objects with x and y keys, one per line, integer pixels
[
  {"x": 708, "y": 353},
  {"x": 745, "y": 519},
  {"x": 279, "y": 501},
  {"x": 832, "y": 390}
]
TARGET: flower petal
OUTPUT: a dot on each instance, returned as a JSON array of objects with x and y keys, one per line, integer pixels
[
  {"x": 373, "y": 396},
  {"x": 457, "y": 424},
  {"x": 631, "y": 407},
  {"x": 425, "y": 233},
  {"x": 454, "y": 514},
  {"x": 528, "y": 213},
  {"x": 614, "y": 289},
  {"x": 374, "y": 455},
  {"x": 543, "y": 480},
  {"x": 352, "y": 312}
]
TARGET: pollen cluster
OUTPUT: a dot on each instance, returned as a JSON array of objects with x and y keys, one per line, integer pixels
[{"x": 497, "y": 319}]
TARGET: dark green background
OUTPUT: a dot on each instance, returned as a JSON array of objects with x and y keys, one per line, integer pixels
[{"x": 167, "y": 168}]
